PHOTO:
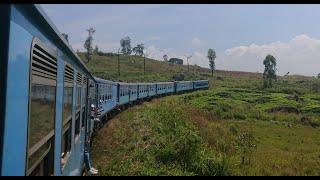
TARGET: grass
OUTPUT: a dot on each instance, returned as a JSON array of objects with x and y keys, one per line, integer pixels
[{"x": 235, "y": 128}]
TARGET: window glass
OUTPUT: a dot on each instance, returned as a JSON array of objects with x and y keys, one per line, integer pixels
[
  {"x": 78, "y": 103},
  {"x": 67, "y": 115},
  {"x": 42, "y": 104},
  {"x": 84, "y": 101}
]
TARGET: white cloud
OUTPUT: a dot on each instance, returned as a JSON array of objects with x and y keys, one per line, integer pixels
[
  {"x": 300, "y": 55},
  {"x": 106, "y": 47},
  {"x": 199, "y": 59},
  {"x": 157, "y": 53},
  {"x": 197, "y": 42}
]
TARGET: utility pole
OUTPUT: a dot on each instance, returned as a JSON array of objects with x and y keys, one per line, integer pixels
[
  {"x": 119, "y": 62},
  {"x": 144, "y": 64}
]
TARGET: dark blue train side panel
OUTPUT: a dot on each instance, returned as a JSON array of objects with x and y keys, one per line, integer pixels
[
  {"x": 201, "y": 84},
  {"x": 4, "y": 43}
]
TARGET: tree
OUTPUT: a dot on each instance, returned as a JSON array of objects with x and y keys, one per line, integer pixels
[
  {"x": 212, "y": 56},
  {"x": 125, "y": 44},
  {"x": 319, "y": 75},
  {"x": 269, "y": 73},
  {"x": 88, "y": 44},
  {"x": 66, "y": 37},
  {"x": 165, "y": 57},
  {"x": 96, "y": 50},
  {"x": 138, "y": 50}
]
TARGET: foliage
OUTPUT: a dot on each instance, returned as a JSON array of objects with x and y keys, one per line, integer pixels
[
  {"x": 138, "y": 50},
  {"x": 178, "y": 77},
  {"x": 269, "y": 73},
  {"x": 246, "y": 144},
  {"x": 125, "y": 44},
  {"x": 211, "y": 56},
  {"x": 96, "y": 50},
  {"x": 152, "y": 139},
  {"x": 65, "y": 36},
  {"x": 88, "y": 44},
  {"x": 165, "y": 58},
  {"x": 158, "y": 139}
]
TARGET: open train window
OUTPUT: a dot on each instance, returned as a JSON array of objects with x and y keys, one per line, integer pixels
[
  {"x": 84, "y": 102},
  {"x": 43, "y": 81},
  {"x": 78, "y": 104},
  {"x": 67, "y": 114}
]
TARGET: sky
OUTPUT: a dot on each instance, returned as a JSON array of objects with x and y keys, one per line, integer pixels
[{"x": 241, "y": 34}]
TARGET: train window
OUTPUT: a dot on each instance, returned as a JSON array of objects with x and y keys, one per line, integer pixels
[
  {"x": 41, "y": 109},
  {"x": 110, "y": 91},
  {"x": 84, "y": 101},
  {"x": 78, "y": 104},
  {"x": 67, "y": 115}
]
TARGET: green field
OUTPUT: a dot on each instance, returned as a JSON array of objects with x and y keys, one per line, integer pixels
[{"x": 234, "y": 128}]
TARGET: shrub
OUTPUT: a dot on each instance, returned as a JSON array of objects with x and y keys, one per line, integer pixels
[
  {"x": 178, "y": 77},
  {"x": 246, "y": 144}
]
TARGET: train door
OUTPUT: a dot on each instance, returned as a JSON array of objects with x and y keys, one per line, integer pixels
[{"x": 42, "y": 103}]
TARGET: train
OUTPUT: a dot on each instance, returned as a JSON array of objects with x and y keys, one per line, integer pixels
[{"x": 50, "y": 102}]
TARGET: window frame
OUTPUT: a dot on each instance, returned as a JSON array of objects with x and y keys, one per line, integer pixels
[
  {"x": 51, "y": 134},
  {"x": 65, "y": 122}
]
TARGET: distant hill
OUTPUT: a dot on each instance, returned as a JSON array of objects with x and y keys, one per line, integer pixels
[{"x": 131, "y": 69}]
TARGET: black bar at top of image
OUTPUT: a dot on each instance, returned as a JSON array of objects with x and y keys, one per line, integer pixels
[{"x": 161, "y": 1}]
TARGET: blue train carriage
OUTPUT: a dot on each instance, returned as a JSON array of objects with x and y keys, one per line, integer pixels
[
  {"x": 133, "y": 91},
  {"x": 170, "y": 88},
  {"x": 47, "y": 84},
  {"x": 152, "y": 89},
  {"x": 161, "y": 88},
  {"x": 143, "y": 90},
  {"x": 123, "y": 93},
  {"x": 106, "y": 92},
  {"x": 201, "y": 84},
  {"x": 183, "y": 86}
]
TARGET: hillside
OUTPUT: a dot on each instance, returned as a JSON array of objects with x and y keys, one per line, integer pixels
[
  {"x": 131, "y": 69},
  {"x": 235, "y": 128}
]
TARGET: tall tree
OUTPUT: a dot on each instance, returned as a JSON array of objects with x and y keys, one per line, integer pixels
[
  {"x": 138, "y": 50},
  {"x": 165, "y": 57},
  {"x": 88, "y": 44},
  {"x": 319, "y": 75},
  {"x": 269, "y": 73},
  {"x": 96, "y": 50},
  {"x": 66, "y": 37},
  {"x": 212, "y": 56},
  {"x": 125, "y": 44}
]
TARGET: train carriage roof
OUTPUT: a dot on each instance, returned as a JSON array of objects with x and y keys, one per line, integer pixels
[
  {"x": 49, "y": 26},
  {"x": 100, "y": 80}
]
